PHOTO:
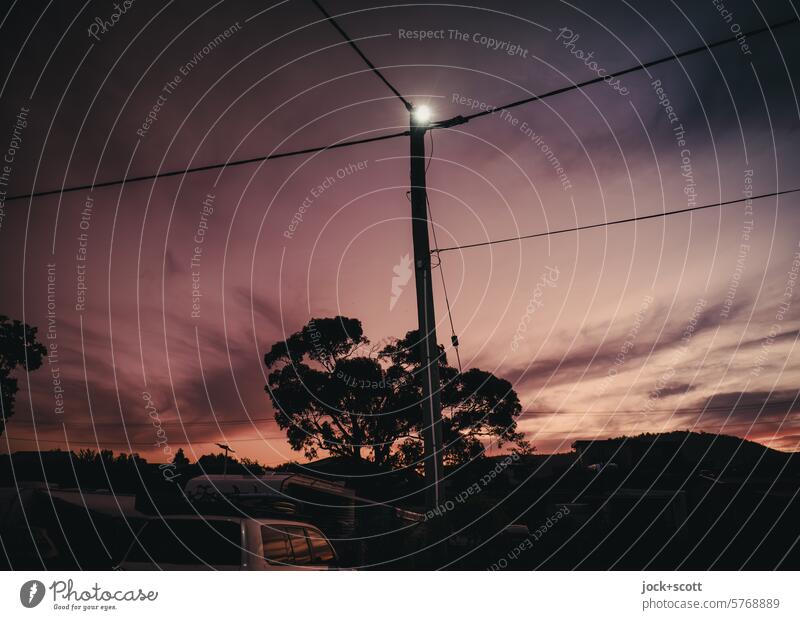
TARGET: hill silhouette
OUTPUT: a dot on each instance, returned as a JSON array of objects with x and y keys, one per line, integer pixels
[{"x": 678, "y": 450}]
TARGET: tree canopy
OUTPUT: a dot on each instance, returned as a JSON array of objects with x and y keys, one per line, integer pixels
[
  {"x": 18, "y": 348},
  {"x": 334, "y": 391}
]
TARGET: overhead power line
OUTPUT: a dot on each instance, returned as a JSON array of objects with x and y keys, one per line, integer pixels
[
  {"x": 230, "y": 164},
  {"x": 441, "y": 124},
  {"x": 459, "y": 120},
  {"x": 453, "y": 336},
  {"x": 352, "y": 43},
  {"x": 627, "y": 220}
]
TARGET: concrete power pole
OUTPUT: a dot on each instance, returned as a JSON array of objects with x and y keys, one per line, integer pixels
[{"x": 432, "y": 411}]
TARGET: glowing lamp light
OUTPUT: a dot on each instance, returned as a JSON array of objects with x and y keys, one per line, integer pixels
[{"x": 422, "y": 114}]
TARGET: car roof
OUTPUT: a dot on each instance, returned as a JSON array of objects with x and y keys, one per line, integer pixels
[{"x": 262, "y": 521}]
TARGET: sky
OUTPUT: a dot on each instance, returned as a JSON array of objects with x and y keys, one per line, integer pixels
[{"x": 684, "y": 322}]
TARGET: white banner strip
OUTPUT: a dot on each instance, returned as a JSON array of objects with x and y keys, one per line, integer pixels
[{"x": 397, "y": 595}]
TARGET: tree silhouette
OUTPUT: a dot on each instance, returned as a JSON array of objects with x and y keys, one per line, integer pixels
[
  {"x": 180, "y": 460},
  {"x": 215, "y": 464},
  {"x": 18, "y": 348},
  {"x": 332, "y": 391}
]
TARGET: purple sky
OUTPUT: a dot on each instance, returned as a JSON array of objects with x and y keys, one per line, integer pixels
[{"x": 600, "y": 352}]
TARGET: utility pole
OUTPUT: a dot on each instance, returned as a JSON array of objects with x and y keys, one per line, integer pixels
[
  {"x": 432, "y": 410},
  {"x": 429, "y": 351}
]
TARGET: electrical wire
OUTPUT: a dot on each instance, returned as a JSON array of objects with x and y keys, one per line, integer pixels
[
  {"x": 430, "y": 154},
  {"x": 435, "y": 251},
  {"x": 441, "y": 124},
  {"x": 612, "y": 222},
  {"x": 352, "y": 43},
  {"x": 459, "y": 120},
  {"x": 240, "y": 162}
]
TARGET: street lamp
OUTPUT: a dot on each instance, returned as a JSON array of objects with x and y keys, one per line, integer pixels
[
  {"x": 422, "y": 115},
  {"x": 227, "y": 449}
]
